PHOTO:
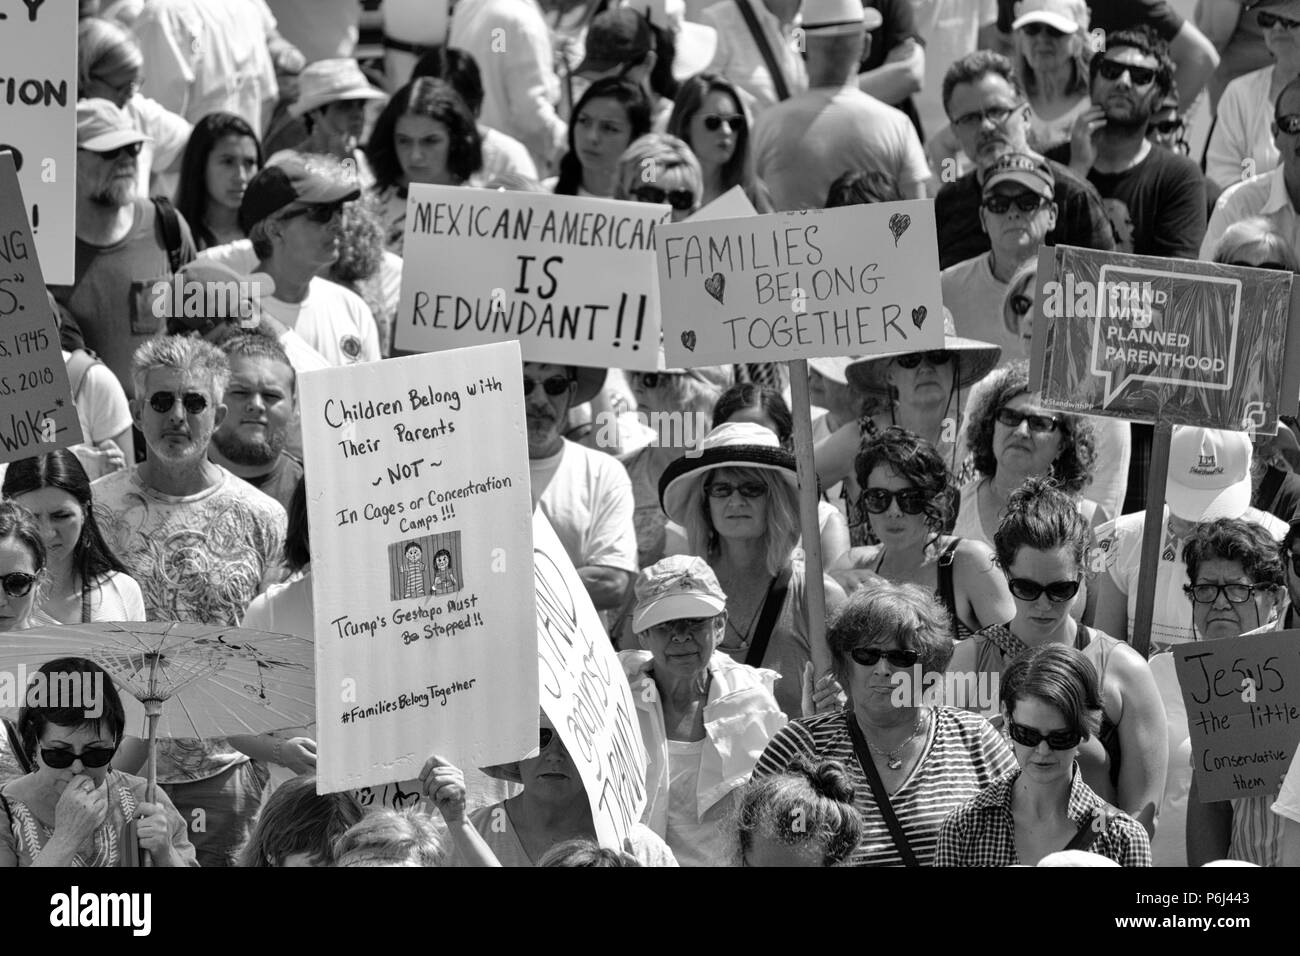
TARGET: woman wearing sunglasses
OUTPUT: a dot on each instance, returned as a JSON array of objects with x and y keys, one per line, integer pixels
[
  {"x": 71, "y": 809},
  {"x": 1050, "y": 700},
  {"x": 1041, "y": 546},
  {"x": 909, "y": 496},
  {"x": 661, "y": 169},
  {"x": 709, "y": 117},
  {"x": 22, "y": 565},
  {"x": 611, "y": 114},
  {"x": 909, "y": 763}
]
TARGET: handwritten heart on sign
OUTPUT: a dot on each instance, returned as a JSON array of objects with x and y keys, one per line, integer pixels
[
  {"x": 715, "y": 285},
  {"x": 688, "y": 340},
  {"x": 918, "y": 316},
  {"x": 898, "y": 224}
]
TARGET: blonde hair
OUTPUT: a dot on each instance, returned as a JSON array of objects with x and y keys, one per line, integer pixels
[
  {"x": 390, "y": 838},
  {"x": 105, "y": 51},
  {"x": 781, "y": 533},
  {"x": 666, "y": 153},
  {"x": 1253, "y": 233}
]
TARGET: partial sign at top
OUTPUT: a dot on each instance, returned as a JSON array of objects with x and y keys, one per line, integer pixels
[
  {"x": 572, "y": 279},
  {"x": 38, "y": 122},
  {"x": 858, "y": 280},
  {"x": 1147, "y": 339}
]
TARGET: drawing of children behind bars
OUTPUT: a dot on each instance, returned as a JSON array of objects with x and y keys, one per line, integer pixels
[
  {"x": 444, "y": 578},
  {"x": 413, "y": 584}
]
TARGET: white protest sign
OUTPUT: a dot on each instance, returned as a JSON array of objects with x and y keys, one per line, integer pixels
[
  {"x": 420, "y": 515},
  {"x": 857, "y": 280},
  {"x": 733, "y": 204},
  {"x": 572, "y": 279},
  {"x": 584, "y": 692},
  {"x": 38, "y": 116}
]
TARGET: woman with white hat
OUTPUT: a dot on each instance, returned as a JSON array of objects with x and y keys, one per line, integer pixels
[
  {"x": 333, "y": 96},
  {"x": 738, "y": 500}
]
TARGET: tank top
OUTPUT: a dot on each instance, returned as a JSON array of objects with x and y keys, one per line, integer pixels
[{"x": 946, "y": 592}]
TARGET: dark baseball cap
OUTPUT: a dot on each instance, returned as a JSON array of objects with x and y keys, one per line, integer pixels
[
  {"x": 616, "y": 38},
  {"x": 290, "y": 178}
]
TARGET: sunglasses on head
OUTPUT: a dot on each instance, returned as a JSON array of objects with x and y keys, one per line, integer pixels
[
  {"x": 320, "y": 213},
  {"x": 1058, "y": 592},
  {"x": 57, "y": 758},
  {"x": 913, "y": 359},
  {"x": 1025, "y": 202},
  {"x": 1235, "y": 593},
  {"x": 749, "y": 489},
  {"x": 1034, "y": 29},
  {"x": 1012, "y": 417},
  {"x": 130, "y": 149},
  {"x": 1288, "y": 123},
  {"x": 1270, "y": 20},
  {"x": 194, "y": 402},
  {"x": 911, "y": 501},
  {"x": 713, "y": 121},
  {"x": 1138, "y": 75},
  {"x": 683, "y": 200},
  {"x": 1029, "y": 737},
  {"x": 870, "y": 657},
  {"x": 553, "y": 386},
  {"x": 17, "y": 583}
]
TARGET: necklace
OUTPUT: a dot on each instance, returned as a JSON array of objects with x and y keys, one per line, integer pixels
[
  {"x": 744, "y": 635},
  {"x": 892, "y": 758}
]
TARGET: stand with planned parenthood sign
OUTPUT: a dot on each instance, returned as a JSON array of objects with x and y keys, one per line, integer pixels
[
  {"x": 572, "y": 279},
  {"x": 1243, "y": 708},
  {"x": 420, "y": 515}
]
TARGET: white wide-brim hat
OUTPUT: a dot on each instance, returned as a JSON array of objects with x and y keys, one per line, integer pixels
[{"x": 733, "y": 445}]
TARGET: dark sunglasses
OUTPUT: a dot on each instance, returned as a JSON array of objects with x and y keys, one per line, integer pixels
[
  {"x": 1167, "y": 127},
  {"x": 555, "y": 385},
  {"x": 544, "y": 737},
  {"x": 1025, "y": 202},
  {"x": 1058, "y": 592},
  {"x": 319, "y": 213},
  {"x": 911, "y": 501},
  {"x": 683, "y": 200},
  {"x": 713, "y": 121},
  {"x": 1021, "y": 304},
  {"x": 130, "y": 149},
  {"x": 750, "y": 489},
  {"x": 870, "y": 657},
  {"x": 1139, "y": 75},
  {"x": 91, "y": 757},
  {"x": 652, "y": 379},
  {"x": 913, "y": 359},
  {"x": 18, "y": 583},
  {"x": 1029, "y": 737},
  {"x": 1270, "y": 20},
  {"x": 1012, "y": 418},
  {"x": 1235, "y": 593},
  {"x": 1295, "y": 563},
  {"x": 1271, "y": 264},
  {"x": 194, "y": 402},
  {"x": 1288, "y": 123},
  {"x": 1034, "y": 29}
]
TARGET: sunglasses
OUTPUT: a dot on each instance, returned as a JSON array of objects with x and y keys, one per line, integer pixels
[
  {"x": 1139, "y": 75},
  {"x": 652, "y": 379},
  {"x": 913, "y": 359},
  {"x": 1235, "y": 593},
  {"x": 194, "y": 402},
  {"x": 1058, "y": 592},
  {"x": 1271, "y": 264},
  {"x": 1037, "y": 423},
  {"x": 1167, "y": 127},
  {"x": 691, "y": 625},
  {"x": 1025, "y": 202},
  {"x": 91, "y": 757},
  {"x": 130, "y": 149},
  {"x": 750, "y": 489},
  {"x": 911, "y": 501},
  {"x": 1289, "y": 123},
  {"x": 870, "y": 657},
  {"x": 1034, "y": 29},
  {"x": 683, "y": 200},
  {"x": 319, "y": 213},
  {"x": 544, "y": 737},
  {"x": 553, "y": 386},
  {"x": 714, "y": 121},
  {"x": 997, "y": 115},
  {"x": 18, "y": 583},
  {"x": 1057, "y": 739},
  {"x": 1270, "y": 20},
  {"x": 1021, "y": 304}
]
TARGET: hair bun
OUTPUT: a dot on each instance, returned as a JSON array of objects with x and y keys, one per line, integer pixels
[{"x": 831, "y": 781}]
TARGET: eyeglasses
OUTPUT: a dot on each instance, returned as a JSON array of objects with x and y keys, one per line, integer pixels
[
  {"x": 683, "y": 200},
  {"x": 91, "y": 757},
  {"x": 652, "y": 379},
  {"x": 870, "y": 657},
  {"x": 555, "y": 385},
  {"x": 194, "y": 402},
  {"x": 544, "y": 737},
  {"x": 1271, "y": 264},
  {"x": 1058, "y": 592},
  {"x": 125, "y": 90},
  {"x": 913, "y": 359},
  {"x": 911, "y": 501},
  {"x": 750, "y": 489},
  {"x": 1138, "y": 75},
  {"x": 1270, "y": 20},
  {"x": 1034, "y": 29},
  {"x": 130, "y": 149},
  {"x": 997, "y": 115},
  {"x": 1288, "y": 123},
  {"x": 1235, "y": 593},
  {"x": 1021, "y": 304},
  {"x": 1012, "y": 418},
  {"x": 713, "y": 121},
  {"x": 1167, "y": 127},
  {"x": 1057, "y": 739},
  {"x": 321, "y": 213},
  {"x": 18, "y": 583},
  {"x": 1025, "y": 202}
]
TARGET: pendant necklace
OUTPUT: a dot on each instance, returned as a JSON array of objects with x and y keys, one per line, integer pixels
[{"x": 892, "y": 758}]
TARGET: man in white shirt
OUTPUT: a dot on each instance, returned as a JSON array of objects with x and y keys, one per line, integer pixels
[{"x": 739, "y": 58}]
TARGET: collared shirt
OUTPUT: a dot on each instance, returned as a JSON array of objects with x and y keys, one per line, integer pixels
[
  {"x": 1263, "y": 195},
  {"x": 983, "y": 831}
]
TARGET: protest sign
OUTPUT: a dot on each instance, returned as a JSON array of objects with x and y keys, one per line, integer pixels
[
  {"x": 584, "y": 692},
  {"x": 858, "y": 280},
  {"x": 37, "y": 414},
  {"x": 733, "y": 204},
  {"x": 573, "y": 279},
  {"x": 420, "y": 537},
  {"x": 1149, "y": 339},
  {"x": 38, "y": 113},
  {"x": 1243, "y": 707}
]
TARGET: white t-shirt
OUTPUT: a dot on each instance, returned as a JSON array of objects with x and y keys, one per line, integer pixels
[
  {"x": 587, "y": 497},
  {"x": 334, "y": 321},
  {"x": 502, "y": 155},
  {"x": 693, "y": 841},
  {"x": 115, "y": 598},
  {"x": 101, "y": 403},
  {"x": 974, "y": 297}
]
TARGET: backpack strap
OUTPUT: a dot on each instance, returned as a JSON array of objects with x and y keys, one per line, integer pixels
[
  {"x": 80, "y": 363},
  {"x": 765, "y": 48},
  {"x": 169, "y": 221}
]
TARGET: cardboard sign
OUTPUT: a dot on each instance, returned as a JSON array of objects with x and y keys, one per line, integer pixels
[
  {"x": 1144, "y": 338},
  {"x": 858, "y": 280},
  {"x": 572, "y": 279},
  {"x": 36, "y": 410},
  {"x": 420, "y": 514},
  {"x": 38, "y": 113},
  {"x": 733, "y": 204},
  {"x": 584, "y": 692},
  {"x": 1243, "y": 707}
]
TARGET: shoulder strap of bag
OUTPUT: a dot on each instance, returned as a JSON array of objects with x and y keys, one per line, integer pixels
[
  {"x": 765, "y": 48},
  {"x": 1091, "y": 829},
  {"x": 16, "y": 746},
  {"x": 878, "y": 791},
  {"x": 771, "y": 610},
  {"x": 169, "y": 222}
]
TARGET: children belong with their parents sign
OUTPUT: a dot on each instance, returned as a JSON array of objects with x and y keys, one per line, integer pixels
[{"x": 420, "y": 514}]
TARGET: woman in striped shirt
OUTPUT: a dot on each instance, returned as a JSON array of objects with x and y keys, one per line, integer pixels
[{"x": 910, "y": 762}]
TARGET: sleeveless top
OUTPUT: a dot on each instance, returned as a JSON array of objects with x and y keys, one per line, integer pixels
[
  {"x": 30, "y": 835},
  {"x": 946, "y": 592}
]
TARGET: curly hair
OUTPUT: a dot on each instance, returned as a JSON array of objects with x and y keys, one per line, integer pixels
[
  {"x": 808, "y": 803},
  {"x": 1073, "y": 467},
  {"x": 20, "y": 524},
  {"x": 916, "y": 460},
  {"x": 1233, "y": 539},
  {"x": 878, "y": 615},
  {"x": 1140, "y": 38},
  {"x": 582, "y": 852},
  {"x": 436, "y": 100}
]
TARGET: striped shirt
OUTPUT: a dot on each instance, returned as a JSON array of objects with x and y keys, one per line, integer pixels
[
  {"x": 963, "y": 754},
  {"x": 1256, "y": 832}
]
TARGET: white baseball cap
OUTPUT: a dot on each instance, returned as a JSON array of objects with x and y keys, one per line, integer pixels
[{"x": 1209, "y": 474}]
